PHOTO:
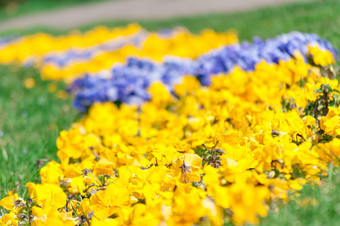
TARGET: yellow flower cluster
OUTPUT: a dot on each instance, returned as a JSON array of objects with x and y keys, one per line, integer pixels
[{"x": 207, "y": 156}]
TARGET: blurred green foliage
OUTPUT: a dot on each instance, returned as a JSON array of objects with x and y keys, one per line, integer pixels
[
  {"x": 11, "y": 3},
  {"x": 14, "y": 8}
]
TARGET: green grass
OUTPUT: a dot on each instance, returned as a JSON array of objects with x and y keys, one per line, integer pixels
[
  {"x": 323, "y": 210},
  {"x": 26, "y": 122},
  {"x": 35, "y": 6},
  {"x": 320, "y": 17},
  {"x": 30, "y": 121}
]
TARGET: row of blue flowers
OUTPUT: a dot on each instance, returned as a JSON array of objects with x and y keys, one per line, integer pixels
[{"x": 128, "y": 83}]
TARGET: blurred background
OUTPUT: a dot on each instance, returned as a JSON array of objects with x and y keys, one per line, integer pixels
[
  {"x": 17, "y": 7},
  {"x": 66, "y": 14}
]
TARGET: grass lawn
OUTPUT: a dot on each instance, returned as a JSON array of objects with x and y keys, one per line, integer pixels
[
  {"x": 35, "y": 6},
  {"x": 317, "y": 205},
  {"x": 30, "y": 119}
]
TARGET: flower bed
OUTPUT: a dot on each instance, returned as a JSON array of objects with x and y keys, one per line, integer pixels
[{"x": 201, "y": 138}]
